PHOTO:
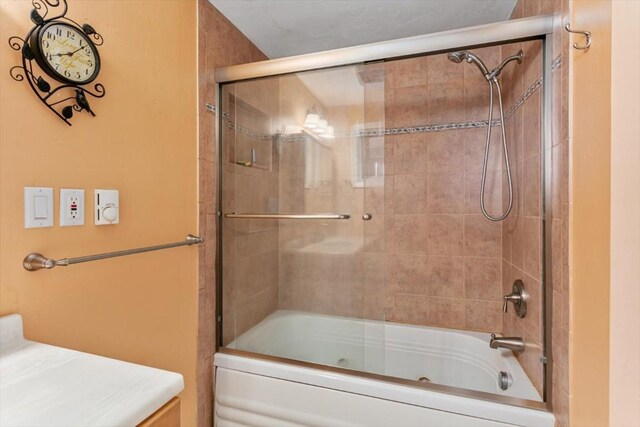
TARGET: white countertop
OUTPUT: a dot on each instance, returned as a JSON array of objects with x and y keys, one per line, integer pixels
[{"x": 43, "y": 385}]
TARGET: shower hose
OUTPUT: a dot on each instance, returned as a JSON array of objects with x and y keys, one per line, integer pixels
[{"x": 494, "y": 81}]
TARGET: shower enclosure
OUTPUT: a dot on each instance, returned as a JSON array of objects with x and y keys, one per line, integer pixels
[{"x": 352, "y": 236}]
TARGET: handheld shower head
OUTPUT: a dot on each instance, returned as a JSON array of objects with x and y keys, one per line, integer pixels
[
  {"x": 463, "y": 55},
  {"x": 456, "y": 57},
  {"x": 492, "y": 80}
]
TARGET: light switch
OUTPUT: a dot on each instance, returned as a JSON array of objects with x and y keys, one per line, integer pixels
[
  {"x": 38, "y": 207},
  {"x": 41, "y": 207},
  {"x": 71, "y": 207}
]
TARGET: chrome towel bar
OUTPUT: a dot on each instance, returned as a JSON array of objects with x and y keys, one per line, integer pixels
[
  {"x": 35, "y": 261},
  {"x": 234, "y": 215}
]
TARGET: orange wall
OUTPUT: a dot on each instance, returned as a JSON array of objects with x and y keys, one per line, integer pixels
[
  {"x": 590, "y": 216},
  {"x": 143, "y": 142},
  {"x": 624, "y": 348}
]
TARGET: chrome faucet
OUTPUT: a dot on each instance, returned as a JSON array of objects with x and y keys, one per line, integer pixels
[{"x": 515, "y": 344}]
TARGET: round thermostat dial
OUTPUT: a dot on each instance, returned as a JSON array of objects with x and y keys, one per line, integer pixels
[{"x": 110, "y": 213}]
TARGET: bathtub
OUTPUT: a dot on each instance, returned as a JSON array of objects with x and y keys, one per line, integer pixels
[{"x": 270, "y": 376}]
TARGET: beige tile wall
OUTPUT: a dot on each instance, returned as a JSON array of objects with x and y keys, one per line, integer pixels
[
  {"x": 429, "y": 257},
  {"x": 219, "y": 44},
  {"x": 442, "y": 257}
]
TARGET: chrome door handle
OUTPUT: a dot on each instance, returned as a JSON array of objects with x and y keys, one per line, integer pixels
[{"x": 235, "y": 215}]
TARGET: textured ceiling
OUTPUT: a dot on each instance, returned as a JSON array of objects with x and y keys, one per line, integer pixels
[{"x": 291, "y": 27}]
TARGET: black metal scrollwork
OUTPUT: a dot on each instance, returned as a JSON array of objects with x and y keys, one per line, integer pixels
[{"x": 63, "y": 99}]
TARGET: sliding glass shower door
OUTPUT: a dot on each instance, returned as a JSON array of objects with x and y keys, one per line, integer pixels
[
  {"x": 359, "y": 208},
  {"x": 301, "y": 163}
]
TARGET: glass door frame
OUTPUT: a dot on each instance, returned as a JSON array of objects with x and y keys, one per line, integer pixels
[{"x": 534, "y": 28}]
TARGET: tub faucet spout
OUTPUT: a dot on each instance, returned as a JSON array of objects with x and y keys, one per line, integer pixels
[{"x": 515, "y": 344}]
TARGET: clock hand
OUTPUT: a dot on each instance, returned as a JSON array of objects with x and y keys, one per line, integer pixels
[
  {"x": 78, "y": 49},
  {"x": 69, "y": 53}
]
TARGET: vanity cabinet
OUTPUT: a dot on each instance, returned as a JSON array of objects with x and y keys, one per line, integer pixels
[
  {"x": 89, "y": 390},
  {"x": 167, "y": 416}
]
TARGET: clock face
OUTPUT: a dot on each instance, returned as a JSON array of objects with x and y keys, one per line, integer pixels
[{"x": 67, "y": 54}]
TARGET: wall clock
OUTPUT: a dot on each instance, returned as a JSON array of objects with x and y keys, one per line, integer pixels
[{"x": 59, "y": 59}]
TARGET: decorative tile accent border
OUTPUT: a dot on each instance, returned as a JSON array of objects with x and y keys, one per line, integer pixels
[
  {"x": 557, "y": 63},
  {"x": 426, "y": 128},
  {"x": 527, "y": 93},
  {"x": 242, "y": 129},
  {"x": 233, "y": 125}
]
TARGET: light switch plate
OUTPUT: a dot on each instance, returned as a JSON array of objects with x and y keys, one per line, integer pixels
[
  {"x": 71, "y": 207},
  {"x": 107, "y": 207},
  {"x": 38, "y": 207}
]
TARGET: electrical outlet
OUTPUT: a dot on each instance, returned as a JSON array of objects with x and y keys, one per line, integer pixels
[{"x": 71, "y": 207}]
